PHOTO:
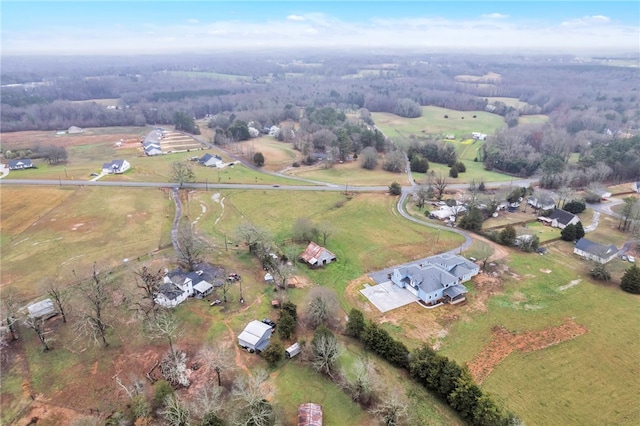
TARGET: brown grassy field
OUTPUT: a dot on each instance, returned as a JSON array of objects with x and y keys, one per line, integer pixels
[{"x": 48, "y": 232}]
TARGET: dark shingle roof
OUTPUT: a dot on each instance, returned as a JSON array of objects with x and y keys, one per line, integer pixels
[
  {"x": 596, "y": 249},
  {"x": 562, "y": 216}
]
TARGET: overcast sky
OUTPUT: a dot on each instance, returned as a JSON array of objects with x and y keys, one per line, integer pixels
[{"x": 125, "y": 27}]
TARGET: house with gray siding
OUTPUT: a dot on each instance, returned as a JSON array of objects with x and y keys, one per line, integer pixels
[
  {"x": 437, "y": 279},
  {"x": 597, "y": 252}
]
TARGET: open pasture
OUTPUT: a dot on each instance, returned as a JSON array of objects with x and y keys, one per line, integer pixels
[
  {"x": 559, "y": 384},
  {"x": 60, "y": 229},
  {"x": 433, "y": 122},
  {"x": 277, "y": 155},
  {"x": 349, "y": 173}
]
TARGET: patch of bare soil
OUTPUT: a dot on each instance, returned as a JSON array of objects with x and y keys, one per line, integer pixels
[
  {"x": 504, "y": 342},
  {"x": 486, "y": 286},
  {"x": 44, "y": 413}
]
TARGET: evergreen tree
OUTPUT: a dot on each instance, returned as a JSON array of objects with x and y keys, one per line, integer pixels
[
  {"x": 355, "y": 324},
  {"x": 631, "y": 280},
  {"x": 579, "y": 230},
  {"x": 568, "y": 233}
]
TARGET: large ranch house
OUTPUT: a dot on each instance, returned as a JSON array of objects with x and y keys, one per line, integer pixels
[{"x": 436, "y": 280}]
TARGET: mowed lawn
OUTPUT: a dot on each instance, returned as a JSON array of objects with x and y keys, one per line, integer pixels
[
  {"x": 50, "y": 232},
  {"x": 432, "y": 122},
  {"x": 350, "y": 173},
  {"x": 592, "y": 379}
]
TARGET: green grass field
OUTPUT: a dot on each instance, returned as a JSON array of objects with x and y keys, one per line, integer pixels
[
  {"x": 591, "y": 379},
  {"x": 350, "y": 174},
  {"x": 432, "y": 122}
]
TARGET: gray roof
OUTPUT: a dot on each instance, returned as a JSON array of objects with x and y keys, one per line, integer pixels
[
  {"x": 455, "y": 290},
  {"x": 254, "y": 331},
  {"x": 170, "y": 290},
  {"x": 562, "y": 216},
  {"x": 41, "y": 309},
  {"x": 24, "y": 161},
  {"x": 457, "y": 266},
  {"x": 202, "y": 287},
  {"x": 429, "y": 278},
  {"x": 596, "y": 249},
  {"x": 114, "y": 164}
]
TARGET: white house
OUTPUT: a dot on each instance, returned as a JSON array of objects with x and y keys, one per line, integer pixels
[
  {"x": 209, "y": 160},
  {"x": 594, "y": 251},
  {"x": 562, "y": 218},
  {"x": 170, "y": 295},
  {"x": 479, "y": 136},
  {"x": 255, "y": 336},
  {"x": 116, "y": 167},
  {"x": 24, "y": 163}
]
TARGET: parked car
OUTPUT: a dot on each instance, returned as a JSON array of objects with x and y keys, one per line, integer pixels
[
  {"x": 269, "y": 322},
  {"x": 631, "y": 259},
  {"x": 93, "y": 174},
  {"x": 624, "y": 257}
]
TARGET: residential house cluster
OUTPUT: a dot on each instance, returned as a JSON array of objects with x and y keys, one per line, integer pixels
[
  {"x": 559, "y": 219},
  {"x": 151, "y": 143},
  {"x": 178, "y": 285},
  {"x": 436, "y": 279}
]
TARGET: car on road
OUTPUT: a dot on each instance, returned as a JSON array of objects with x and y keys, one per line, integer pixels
[
  {"x": 631, "y": 259},
  {"x": 276, "y": 186}
]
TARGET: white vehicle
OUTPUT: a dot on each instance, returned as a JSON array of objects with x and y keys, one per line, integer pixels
[{"x": 631, "y": 259}]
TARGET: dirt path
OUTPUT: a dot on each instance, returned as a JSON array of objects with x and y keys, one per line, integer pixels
[
  {"x": 504, "y": 342},
  {"x": 499, "y": 252},
  {"x": 238, "y": 357}
]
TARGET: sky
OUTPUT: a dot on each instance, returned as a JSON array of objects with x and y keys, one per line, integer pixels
[{"x": 136, "y": 27}]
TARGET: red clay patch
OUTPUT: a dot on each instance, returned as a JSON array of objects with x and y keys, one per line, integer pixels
[{"x": 504, "y": 342}]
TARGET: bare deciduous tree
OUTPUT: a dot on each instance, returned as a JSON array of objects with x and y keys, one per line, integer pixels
[
  {"x": 149, "y": 282},
  {"x": 182, "y": 172},
  {"x": 10, "y": 314},
  {"x": 175, "y": 412},
  {"x": 322, "y": 307},
  {"x": 94, "y": 293},
  {"x": 391, "y": 412},
  {"x": 251, "y": 235},
  {"x": 37, "y": 325},
  {"x": 59, "y": 295},
  {"x": 164, "y": 326},
  {"x": 364, "y": 382},
  {"x": 440, "y": 184},
  {"x": 326, "y": 351},
  {"x": 219, "y": 357},
  {"x": 252, "y": 405},
  {"x": 190, "y": 248}
]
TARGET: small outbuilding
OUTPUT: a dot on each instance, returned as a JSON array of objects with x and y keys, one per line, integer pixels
[
  {"x": 202, "y": 289},
  {"x": 292, "y": 350},
  {"x": 255, "y": 336},
  {"x": 310, "y": 414},
  {"x": 42, "y": 310},
  {"x": 315, "y": 255}
]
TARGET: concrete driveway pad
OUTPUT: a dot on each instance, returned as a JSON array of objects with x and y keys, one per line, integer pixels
[{"x": 387, "y": 296}]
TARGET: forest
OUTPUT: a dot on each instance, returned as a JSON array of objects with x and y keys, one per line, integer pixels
[{"x": 591, "y": 110}]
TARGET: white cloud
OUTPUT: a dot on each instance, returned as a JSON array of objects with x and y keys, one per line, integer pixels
[
  {"x": 586, "y": 21},
  {"x": 494, "y": 16},
  {"x": 321, "y": 30},
  {"x": 193, "y": 21},
  {"x": 295, "y": 18}
]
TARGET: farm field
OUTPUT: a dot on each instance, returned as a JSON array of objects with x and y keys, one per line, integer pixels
[
  {"x": 558, "y": 384},
  {"x": 533, "y": 119},
  {"x": 277, "y": 155},
  {"x": 432, "y": 122},
  {"x": 128, "y": 345},
  {"x": 60, "y": 229},
  {"x": 349, "y": 173}
]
